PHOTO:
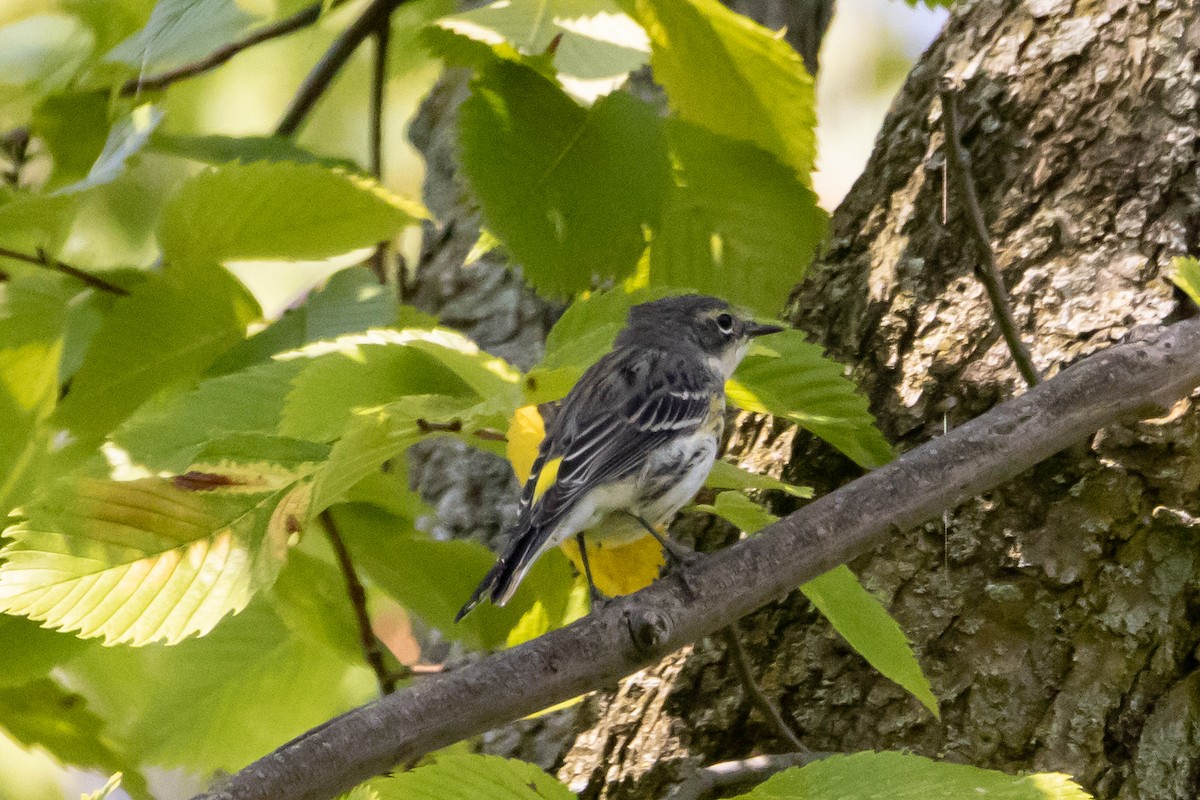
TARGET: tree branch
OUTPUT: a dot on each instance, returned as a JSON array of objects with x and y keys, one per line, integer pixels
[
  {"x": 301, "y": 19},
  {"x": 989, "y": 272},
  {"x": 371, "y": 646},
  {"x": 322, "y": 75},
  {"x": 43, "y": 259},
  {"x": 378, "y": 92},
  {"x": 1121, "y": 383},
  {"x": 728, "y": 774}
]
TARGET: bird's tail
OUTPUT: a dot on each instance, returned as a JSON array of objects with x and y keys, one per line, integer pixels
[{"x": 505, "y": 575}]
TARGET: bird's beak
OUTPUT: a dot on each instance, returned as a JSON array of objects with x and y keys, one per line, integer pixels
[{"x": 758, "y": 329}]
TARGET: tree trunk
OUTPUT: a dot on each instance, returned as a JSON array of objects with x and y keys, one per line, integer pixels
[{"x": 1056, "y": 616}]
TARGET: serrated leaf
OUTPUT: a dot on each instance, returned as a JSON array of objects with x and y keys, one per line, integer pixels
[
  {"x": 598, "y": 44},
  {"x": 732, "y": 76},
  {"x": 1185, "y": 273},
  {"x": 251, "y": 211},
  {"x": 567, "y": 190},
  {"x": 43, "y": 714},
  {"x": 167, "y": 331},
  {"x": 786, "y": 376},
  {"x": 901, "y": 776},
  {"x": 219, "y": 149},
  {"x": 151, "y": 559},
  {"x": 177, "y": 706},
  {"x": 127, "y": 137},
  {"x": 352, "y": 300},
  {"x": 852, "y": 611},
  {"x": 434, "y": 578},
  {"x": 738, "y": 223},
  {"x": 179, "y": 31},
  {"x": 731, "y": 476},
  {"x": 472, "y": 777}
]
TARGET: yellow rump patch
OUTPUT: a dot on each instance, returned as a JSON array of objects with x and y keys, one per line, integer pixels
[
  {"x": 620, "y": 568},
  {"x": 546, "y": 478}
]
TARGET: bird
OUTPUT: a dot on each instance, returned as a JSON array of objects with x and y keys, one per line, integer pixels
[{"x": 633, "y": 440}]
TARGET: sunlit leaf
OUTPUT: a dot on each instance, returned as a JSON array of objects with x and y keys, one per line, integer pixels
[
  {"x": 568, "y": 190},
  {"x": 786, "y": 376},
  {"x": 40, "y": 54},
  {"x": 1185, "y": 273},
  {"x": 181, "y": 30},
  {"x": 901, "y": 776},
  {"x": 730, "y": 476},
  {"x": 472, "y": 777},
  {"x": 127, "y": 137},
  {"x": 732, "y": 76},
  {"x": 250, "y": 211}
]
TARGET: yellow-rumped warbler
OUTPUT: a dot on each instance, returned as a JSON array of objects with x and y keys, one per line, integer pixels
[{"x": 634, "y": 439}]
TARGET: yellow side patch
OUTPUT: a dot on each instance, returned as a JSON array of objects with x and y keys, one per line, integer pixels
[
  {"x": 622, "y": 568},
  {"x": 546, "y": 478},
  {"x": 525, "y": 433}
]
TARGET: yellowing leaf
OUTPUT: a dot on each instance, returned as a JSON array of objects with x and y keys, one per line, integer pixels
[
  {"x": 620, "y": 568},
  {"x": 525, "y": 434}
]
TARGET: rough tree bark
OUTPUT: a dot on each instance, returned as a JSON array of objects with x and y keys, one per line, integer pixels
[{"x": 1055, "y": 617}]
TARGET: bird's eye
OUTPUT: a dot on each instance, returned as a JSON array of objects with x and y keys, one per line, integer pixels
[{"x": 725, "y": 323}]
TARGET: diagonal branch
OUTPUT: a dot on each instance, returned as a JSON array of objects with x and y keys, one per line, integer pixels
[
  {"x": 1121, "y": 383},
  {"x": 43, "y": 259},
  {"x": 989, "y": 271},
  {"x": 322, "y": 75},
  {"x": 301, "y": 19},
  {"x": 764, "y": 704}
]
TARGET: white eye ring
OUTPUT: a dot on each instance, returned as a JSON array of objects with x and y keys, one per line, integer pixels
[{"x": 725, "y": 323}]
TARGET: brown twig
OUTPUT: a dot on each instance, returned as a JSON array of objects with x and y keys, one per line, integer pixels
[
  {"x": 301, "y": 19},
  {"x": 456, "y": 426},
  {"x": 741, "y": 665},
  {"x": 43, "y": 259},
  {"x": 322, "y": 75},
  {"x": 378, "y": 92},
  {"x": 989, "y": 271},
  {"x": 373, "y": 649}
]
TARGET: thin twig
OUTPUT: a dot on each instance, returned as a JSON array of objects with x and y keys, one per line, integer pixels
[
  {"x": 989, "y": 272},
  {"x": 729, "y": 774},
  {"x": 372, "y": 648},
  {"x": 1121, "y": 383},
  {"x": 43, "y": 259},
  {"x": 322, "y": 75},
  {"x": 741, "y": 664},
  {"x": 456, "y": 426},
  {"x": 378, "y": 91},
  {"x": 301, "y": 19}
]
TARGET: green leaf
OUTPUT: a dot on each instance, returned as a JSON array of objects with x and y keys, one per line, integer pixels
[
  {"x": 310, "y": 597},
  {"x": 219, "y": 149},
  {"x": 730, "y": 476},
  {"x": 738, "y": 224},
  {"x": 179, "y": 31},
  {"x": 32, "y": 316},
  {"x": 351, "y": 301},
  {"x": 30, "y": 221},
  {"x": 472, "y": 777},
  {"x": 44, "y": 714},
  {"x": 73, "y": 127},
  {"x": 28, "y": 651},
  {"x": 40, "y": 55},
  {"x": 166, "y": 332},
  {"x": 732, "y": 76},
  {"x": 219, "y": 702},
  {"x": 599, "y": 45},
  {"x": 105, "y": 791},
  {"x": 1185, "y": 273},
  {"x": 900, "y": 776},
  {"x": 786, "y": 376},
  {"x": 852, "y": 611},
  {"x": 124, "y": 141},
  {"x": 279, "y": 211},
  {"x": 567, "y": 190},
  {"x": 152, "y": 558},
  {"x": 862, "y": 621},
  {"x": 434, "y": 578},
  {"x": 167, "y": 434}
]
